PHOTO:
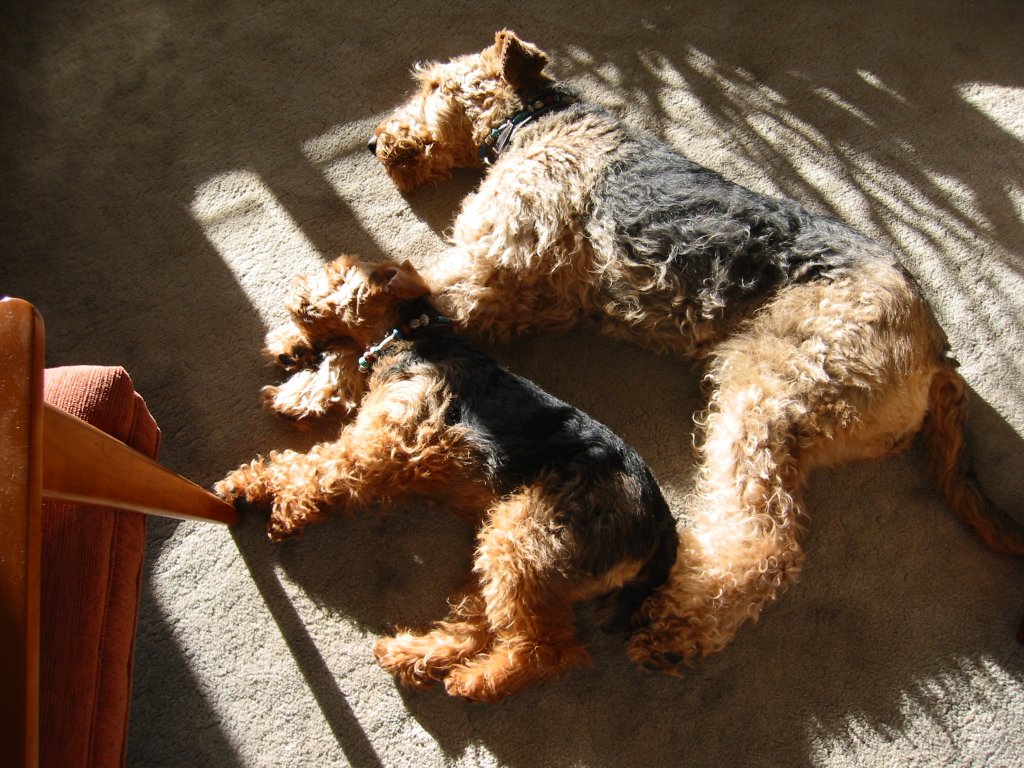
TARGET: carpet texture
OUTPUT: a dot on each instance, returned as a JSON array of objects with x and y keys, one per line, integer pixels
[{"x": 167, "y": 167}]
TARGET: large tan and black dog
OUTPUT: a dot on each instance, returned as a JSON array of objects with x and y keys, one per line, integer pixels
[{"x": 820, "y": 348}]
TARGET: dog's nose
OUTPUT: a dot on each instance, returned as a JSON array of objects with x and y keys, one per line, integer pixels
[{"x": 372, "y": 145}]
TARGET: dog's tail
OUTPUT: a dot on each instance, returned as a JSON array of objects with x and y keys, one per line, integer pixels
[
  {"x": 950, "y": 468},
  {"x": 626, "y": 615}
]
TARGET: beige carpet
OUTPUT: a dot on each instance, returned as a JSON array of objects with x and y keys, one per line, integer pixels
[{"x": 168, "y": 166}]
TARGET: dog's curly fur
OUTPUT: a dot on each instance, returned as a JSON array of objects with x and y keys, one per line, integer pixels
[
  {"x": 820, "y": 348},
  {"x": 566, "y": 510}
]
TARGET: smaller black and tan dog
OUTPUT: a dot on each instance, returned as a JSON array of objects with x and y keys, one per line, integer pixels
[{"x": 566, "y": 511}]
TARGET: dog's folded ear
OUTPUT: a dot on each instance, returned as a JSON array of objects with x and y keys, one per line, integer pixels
[
  {"x": 521, "y": 62},
  {"x": 297, "y": 299},
  {"x": 401, "y": 280}
]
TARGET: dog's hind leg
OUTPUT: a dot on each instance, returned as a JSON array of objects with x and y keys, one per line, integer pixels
[
  {"x": 522, "y": 562},
  {"x": 419, "y": 659},
  {"x": 827, "y": 373},
  {"x": 741, "y": 547}
]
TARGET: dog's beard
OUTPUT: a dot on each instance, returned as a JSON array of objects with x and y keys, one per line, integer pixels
[{"x": 335, "y": 384}]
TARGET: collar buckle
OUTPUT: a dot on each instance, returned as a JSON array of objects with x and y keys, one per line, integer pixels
[{"x": 500, "y": 136}]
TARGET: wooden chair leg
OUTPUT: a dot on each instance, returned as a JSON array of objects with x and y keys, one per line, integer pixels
[{"x": 84, "y": 465}]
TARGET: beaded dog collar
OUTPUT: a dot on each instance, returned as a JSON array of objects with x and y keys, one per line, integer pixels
[
  {"x": 500, "y": 136},
  {"x": 410, "y": 330}
]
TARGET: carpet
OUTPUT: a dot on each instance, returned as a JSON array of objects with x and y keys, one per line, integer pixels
[{"x": 168, "y": 167}]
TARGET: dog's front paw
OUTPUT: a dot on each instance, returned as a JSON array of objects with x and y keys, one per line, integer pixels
[
  {"x": 248, "y": 483},
  {"x": 228, "y": 491},
  {"x": 295, "y": 399},
  {"x": 290, "y": 347}
]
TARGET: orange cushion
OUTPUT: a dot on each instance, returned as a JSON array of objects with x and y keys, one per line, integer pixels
[{"x": 91, "y": 575}]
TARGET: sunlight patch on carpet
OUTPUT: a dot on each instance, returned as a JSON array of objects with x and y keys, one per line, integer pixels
[
  {"x": 1003, "y": 105},
  {"x": 341, "y": 157},
  {"x": 255, "y": 236}
]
